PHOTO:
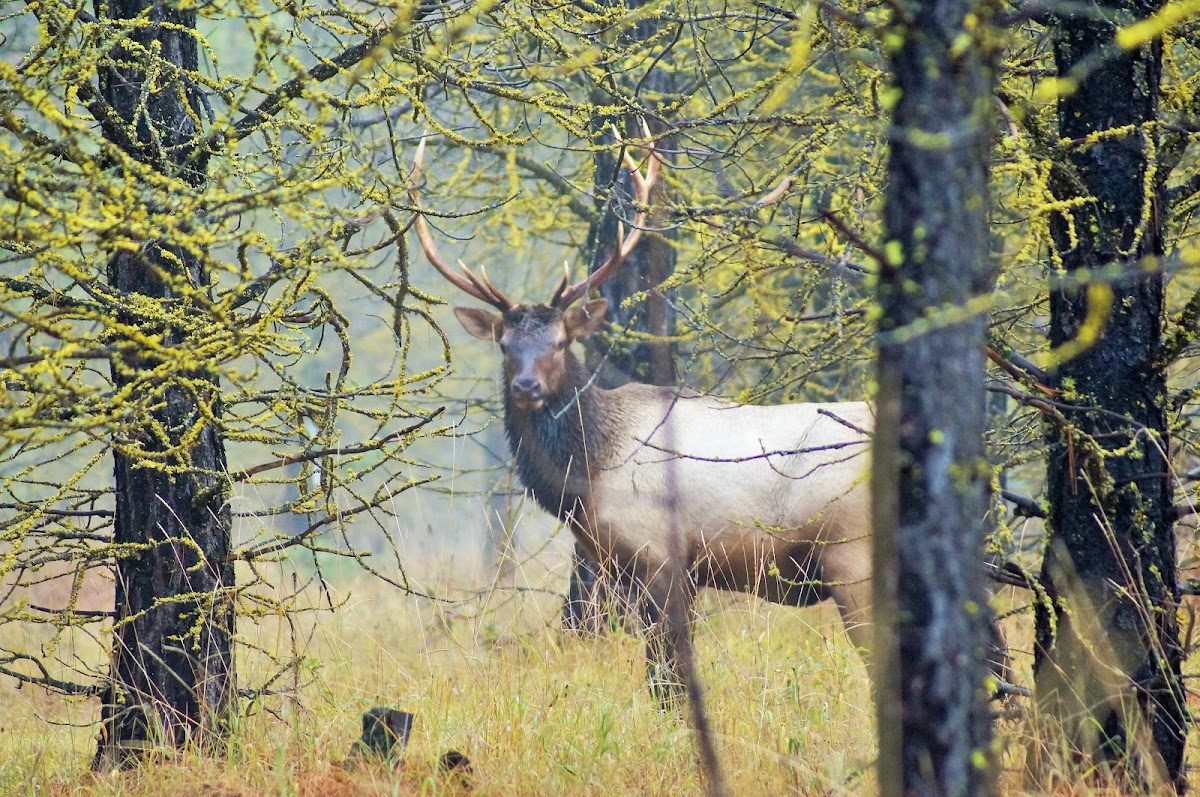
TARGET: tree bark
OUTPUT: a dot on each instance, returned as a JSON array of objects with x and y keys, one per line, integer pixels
[
  {"x": 172, "y": 680},
  {"x": 595, "y": 596},
  {"x": 930, "y": 475},
  {"x": 1108, "y": 655}
]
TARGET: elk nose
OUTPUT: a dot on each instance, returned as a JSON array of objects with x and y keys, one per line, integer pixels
[{"x": 526, "y": 385}]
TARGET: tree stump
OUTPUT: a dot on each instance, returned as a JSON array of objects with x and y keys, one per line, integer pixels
[{"x": 385, "y": 733}]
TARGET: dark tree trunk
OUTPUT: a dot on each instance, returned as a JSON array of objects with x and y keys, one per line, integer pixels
[
  {"x": 1108, "y": 655},
  {"x": 595, "y": 597},
  {"x": 172, "y": 669},
  {"x": 634, "y": 359},
  {"x": 930, "y": 474}
]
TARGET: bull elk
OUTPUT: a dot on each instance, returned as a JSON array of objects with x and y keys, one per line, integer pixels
[{"x": 767, "y": 500}]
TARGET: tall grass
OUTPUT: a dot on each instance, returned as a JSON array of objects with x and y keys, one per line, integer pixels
[{"x": 538, "y": 712}]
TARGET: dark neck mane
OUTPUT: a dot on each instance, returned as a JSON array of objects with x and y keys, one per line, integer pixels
[{"x": 555, "y": 444}]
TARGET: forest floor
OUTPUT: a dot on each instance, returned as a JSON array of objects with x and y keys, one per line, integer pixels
[{"x": 537, "y": 712}]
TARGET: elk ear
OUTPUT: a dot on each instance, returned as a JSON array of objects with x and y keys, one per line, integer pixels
[
  {"x": 583, "y": 321},
  {"x": 480, "y": 323}
]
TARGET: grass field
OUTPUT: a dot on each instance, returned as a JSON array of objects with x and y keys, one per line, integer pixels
[{"x": 538, "y": 712}]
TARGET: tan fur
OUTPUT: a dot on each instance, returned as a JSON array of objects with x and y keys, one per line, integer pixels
[{"x": 760, "y": 496}]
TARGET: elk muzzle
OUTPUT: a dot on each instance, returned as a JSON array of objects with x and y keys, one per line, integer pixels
[{"x": 526, "y": 392}]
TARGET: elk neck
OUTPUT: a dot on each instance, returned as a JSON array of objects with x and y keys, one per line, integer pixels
[{"x": 559, "y": 445}]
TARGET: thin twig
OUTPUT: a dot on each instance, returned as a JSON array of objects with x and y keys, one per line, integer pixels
[
  {"x": 375, "y": 445},
  {"x": 853, "y": 237}
]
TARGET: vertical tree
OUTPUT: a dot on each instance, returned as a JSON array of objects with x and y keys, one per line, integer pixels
[
  {"x": 138, "y": 182},
  {"x": 1108, "y": 651},
  {"x": 929, "y": 475},
  {"x": 645, "y": 356},
  {"x": 172, "y": 660}
]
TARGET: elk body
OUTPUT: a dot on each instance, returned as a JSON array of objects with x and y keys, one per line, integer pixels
[
  {"x": 771, "y": 501},
  {"x": 768, "y": 500}
]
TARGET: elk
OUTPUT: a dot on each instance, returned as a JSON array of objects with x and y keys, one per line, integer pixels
[{"x": 767, "y": 500}]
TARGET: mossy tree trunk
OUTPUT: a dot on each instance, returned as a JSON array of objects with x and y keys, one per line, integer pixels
[
  {"x": 1108, "y": 653},
  {"x": 595, "y": 595},
  {"x": 930, "y": 475},
  {"x": 172, "y": 666}
]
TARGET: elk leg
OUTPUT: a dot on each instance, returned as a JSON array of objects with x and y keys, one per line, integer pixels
[{"x": 667, "y": 612}]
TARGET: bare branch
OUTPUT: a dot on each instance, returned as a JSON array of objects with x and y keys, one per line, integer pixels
[
  {"x": 375, "y": 445},
  {"x": 1025, "y": 506}
]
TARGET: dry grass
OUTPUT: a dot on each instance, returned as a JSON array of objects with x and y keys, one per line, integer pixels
[{"x": 538, "y": 713}]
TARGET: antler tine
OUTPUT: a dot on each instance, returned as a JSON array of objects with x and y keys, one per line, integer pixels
[
  {"x": 484, "y": 288},
  {"x": 478, "y": 283},
  {"x": 503, "y": 301},
  {"x": 562, "y": 286},
  {"x": 465, "y": 284},
  {"x": 642, "y": 185},
  {"x": 469, "y": 284}
]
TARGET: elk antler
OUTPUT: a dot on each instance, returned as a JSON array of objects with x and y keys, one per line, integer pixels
[
  {"x": 480, "y": 287},
  {"x": 566, "y": 293}
]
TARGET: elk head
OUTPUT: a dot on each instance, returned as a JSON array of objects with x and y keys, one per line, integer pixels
[{"x": 534, "y": 338}]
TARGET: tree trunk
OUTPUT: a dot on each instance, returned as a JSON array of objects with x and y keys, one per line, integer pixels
[
  {"x": 1107, "y": 664},
  {"x": 172, "y": 668},
  {"x": 930, "y": 474},
  {"x": 594, "y": 596},
  {"x": 650, "y": 262}
]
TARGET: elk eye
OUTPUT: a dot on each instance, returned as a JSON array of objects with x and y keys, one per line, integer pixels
[{"x": 560, "y": 344}]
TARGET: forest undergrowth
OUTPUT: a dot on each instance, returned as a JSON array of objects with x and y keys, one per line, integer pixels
[{"x": 537, "y": 711}]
